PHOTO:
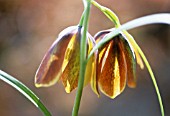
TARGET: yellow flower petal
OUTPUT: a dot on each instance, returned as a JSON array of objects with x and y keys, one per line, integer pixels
[
  {"x": 94, "y": 77},
  {"x": 71, "y": 64},
  {"x": 90, "y": 64},
  {"x": 92, "y": 68}
]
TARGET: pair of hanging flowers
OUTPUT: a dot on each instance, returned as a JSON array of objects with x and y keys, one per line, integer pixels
[
  {"x": 107, "y": 61},
  {"x": 109, "y": 69}
]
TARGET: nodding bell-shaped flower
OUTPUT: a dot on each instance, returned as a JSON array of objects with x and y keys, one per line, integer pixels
[
  {"x": 116, "y": 64},
  {"x": 62, "y": 60}
]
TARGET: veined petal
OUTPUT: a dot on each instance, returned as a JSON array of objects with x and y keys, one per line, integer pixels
[
  {"x": 92, "y": 67},
  {"x": 89, "y": 67},
  {"x": 112, "y": 69},
  {"x": 98, "y": 37},
  {"x": 138, "y": 57},
  {"x": 97, "y": 57},
  {"x": 71, "y": 63},
  {"x": 94, "y": 77},
  {"x": 130, "y": 61},
  {"x": 49, "y": 70}
]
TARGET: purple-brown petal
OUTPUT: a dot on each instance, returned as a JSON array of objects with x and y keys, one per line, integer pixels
[
  {"x": 130, "y": 61},
  {"x": 138, "y": 57},
  {"x": 112, "y": 69},
  {"x": 49, "y": 70}
]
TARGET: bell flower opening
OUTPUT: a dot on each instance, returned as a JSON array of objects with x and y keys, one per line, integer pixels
[{"x": 116, "y": 65}]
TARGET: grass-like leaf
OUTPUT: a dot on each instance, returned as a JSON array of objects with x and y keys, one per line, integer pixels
[{"x": 25, "y": 91}]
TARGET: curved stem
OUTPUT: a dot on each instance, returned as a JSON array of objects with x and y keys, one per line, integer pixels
[
  {"x": 152, "y": 77},
  {"x": 83, "y": 49},
  {"x": 81, "y": 19},
  {"x": 25, "y": 91},
  {"x": 109, "y": 13}
]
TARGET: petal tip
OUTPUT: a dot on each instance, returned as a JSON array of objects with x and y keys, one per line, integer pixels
[
  {"x": 132, "y": 85},
  {"x": 38, "y": 85},
  {"x": 36, "y": 82},
  {"x": 97, "y": 93},
  {"x": 142, "y": 66},
  {"x": 67, "y": 88}
]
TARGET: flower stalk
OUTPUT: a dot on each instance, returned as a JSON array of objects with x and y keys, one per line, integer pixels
[{"x": 83, "y": 60}]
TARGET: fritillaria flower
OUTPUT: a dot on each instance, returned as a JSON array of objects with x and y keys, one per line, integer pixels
[
  {"x": 116, "y": 64},
  {"x": 62, "y": 60},
  {"x": 109, "y": 69}
]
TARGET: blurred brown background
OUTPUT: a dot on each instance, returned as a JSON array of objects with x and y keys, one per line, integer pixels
[{"x": 29, "y": 27}]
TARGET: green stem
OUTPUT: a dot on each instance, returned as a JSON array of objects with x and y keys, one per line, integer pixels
[
  {"x": 109, "y": 13},
  {"x": 81, "y": 19},
  {"x": 25, "y": 91},
  {"x": 83, "y": 49},
  {"x": 152, "y": 76}
]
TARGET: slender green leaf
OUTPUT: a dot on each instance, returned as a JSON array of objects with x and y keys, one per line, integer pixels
[{"x": 25, "y": 91}]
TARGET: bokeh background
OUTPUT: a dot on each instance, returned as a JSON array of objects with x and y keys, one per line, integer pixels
[{"x": 29, "y": 27}]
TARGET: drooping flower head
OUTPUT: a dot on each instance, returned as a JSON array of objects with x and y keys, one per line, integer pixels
[
  {"x": 109, "y": 69},
  {"x": 116, "y": 64},
  {"x": 61, "y": 62}
]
